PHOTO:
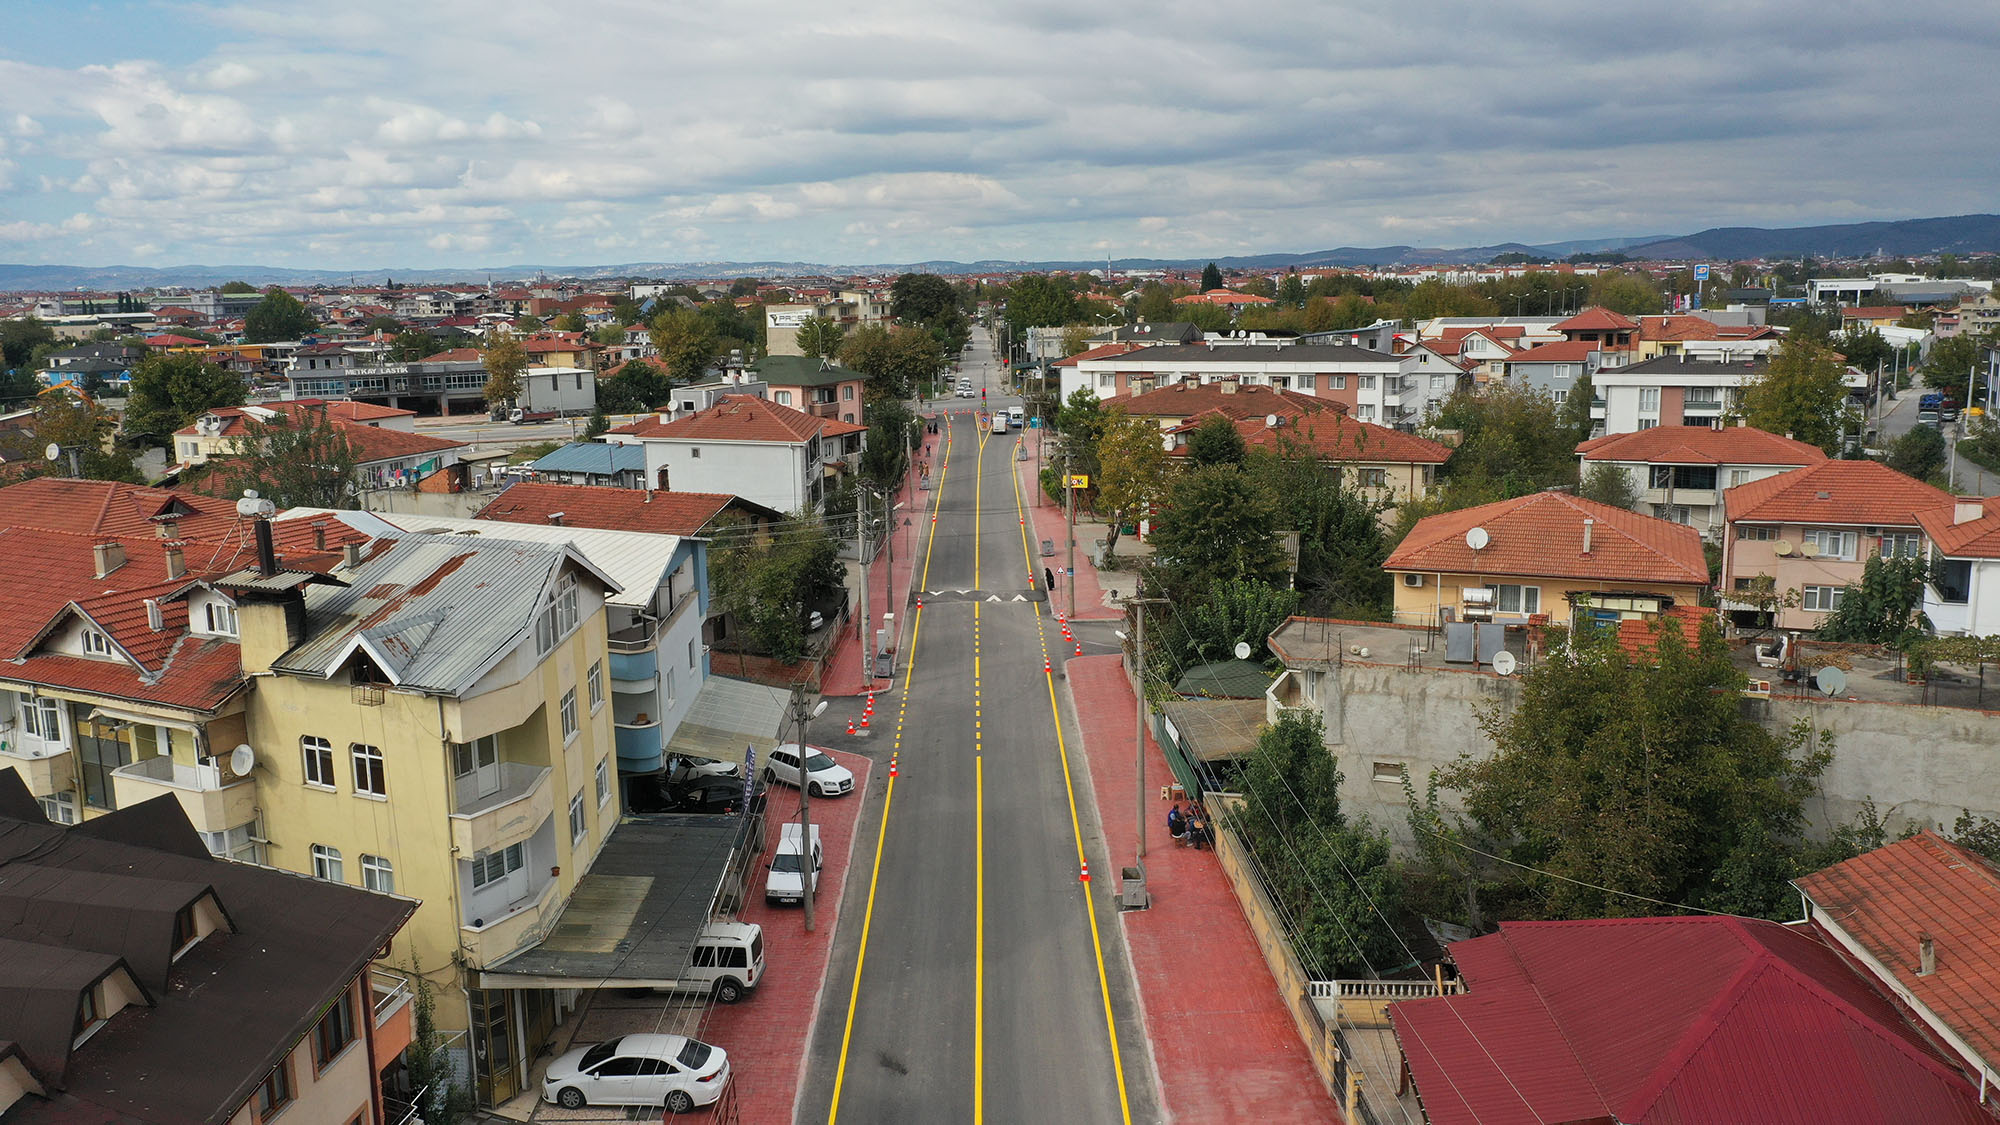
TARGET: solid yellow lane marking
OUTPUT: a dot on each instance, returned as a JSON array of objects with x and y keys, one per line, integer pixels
[{"x": 978, "y": 820}]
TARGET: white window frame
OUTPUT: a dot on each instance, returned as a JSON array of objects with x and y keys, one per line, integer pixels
[
  {"x": 569, "y": 723},
  {"x": 41, "y": 716},
  {"x": 558, "y": 618},
  {"x": 1904, "y": 544},
  {"x": 1527, "y": 599},
  {"x": 1364, "y": 382},
  {"x": 1821, "y": 599},
  {"x": 316, "y": 763},
  {"x": 1753, "y": 534},
  {"x": 1649, "y": 400},
  {"x": 1738, "y": 476},
  {"x": 1834, "y": 543},
  {"x": 371, "y": 770},
  {"x": 578, "y": 826},
  {"x": 95, "y": 643},
  {"x": 327, "y": 866},
  {"x": 1336, "y": 382},
  {"x": 378, "y": 874},
  {"x": 491, "y": 867},
  {"x": 603, "y": 781},
  {"x": 221, "y": 617},
  {"x": 60, "y": 808},
  {"x": 594, "y": 679}
]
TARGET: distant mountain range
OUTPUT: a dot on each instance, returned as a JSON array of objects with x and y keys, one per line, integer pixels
[{"x": 1958, "y": 234}]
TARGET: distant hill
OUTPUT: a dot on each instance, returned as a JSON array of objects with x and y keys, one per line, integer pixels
[{"x": 1959, "y": 234}]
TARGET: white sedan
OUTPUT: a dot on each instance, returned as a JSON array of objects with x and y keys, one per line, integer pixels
[{"x": 664, "y": 1070}]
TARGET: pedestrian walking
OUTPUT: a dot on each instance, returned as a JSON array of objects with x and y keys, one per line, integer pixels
[{"x": 1050, "y": 576}]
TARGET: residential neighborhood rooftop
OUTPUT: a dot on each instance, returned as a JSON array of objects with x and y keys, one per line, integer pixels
[
  {"x": 1701, "y": 445},
  {"x": 1542, "y": 534},
  {"x": 1836, "y": 493}
]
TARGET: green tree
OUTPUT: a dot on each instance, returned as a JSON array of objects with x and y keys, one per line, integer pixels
[
  {"x": 301, "y": 459},
  {"x": 1155, "y": 303},
  {"x": 446, "y": 1101},
  {"x": 628, "y": 312},
  {"x": 1513, "y": 441},
  {"x": 1292, "y": 290},
  {"x": 1802, "y": 394},
  {"x": 608, "y": 335},
  {"x": 894, "y": 361},
  {"x": 1039, "y": 301},
  {"x": 387, "y": 324},
  {"x": 685, "y": 341},
  {"x": 1920, "y": 453},
  {"x": 1631, "y": 294},
  {"x": 1886, "y": 607},
  {"x": 1341, "y": 542},
  {"x": 1081, "y": 420},
  {"x": 599, "y": 425},
  {"x": 1216, "y": 525},
  {"x": 1211, "y": 277},
  {"x": 1609, "y": 484},
  {"x": 769, "y": 587},
  {"x": 1076, "y": 339},
  {"x": 1207, "y": 317},
  {"x": 505, "y": 360},
  {"x": 570, "y": 322},
  {"x": 1131, "y": 470},
  {"x": 1215, "y": 441},
  {"x": 1612, "y": 777},
  {"x": 73, "y": 423},
  {"x": 820, "y": 337},
  {"x": 1239, "y": 611},
  {"x": 20, "y": 338},
  {"x": 1949, "y": 363},
  {"x": 1574, "y": 415},
  {"x": 1864, "y": 348},
  {"x": 232, "y": 287},
  {"x": 409, "y": 346},
  {"x": 919, "y": 298},
  {"x": 170, "y": 389},
  {"x": 1330, "y": 877},
  {"x": 279, "y": 316}
]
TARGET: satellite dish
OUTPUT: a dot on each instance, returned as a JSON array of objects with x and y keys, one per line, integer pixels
[
  {"x": 1242, "y": 650},
  {"x": 53, "y": 452},
  {"x": 1477, "y": 539},
  {"x": 1809, "y": 549},
  {"x": 1831, "y": 680},
  {"x": 1781, "y": 547},
  {"x": 242, "y": 760},
  {"x": 1271, "y": 420},
  {"x": 1503, "y": 663}
]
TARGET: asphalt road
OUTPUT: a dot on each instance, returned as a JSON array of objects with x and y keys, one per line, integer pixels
[{"x": 983, "y": 980}]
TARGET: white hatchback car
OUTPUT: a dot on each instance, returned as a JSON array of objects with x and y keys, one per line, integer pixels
[
  {"x": 649, "y": 1070},
  {"x": 829, "y": 778}
]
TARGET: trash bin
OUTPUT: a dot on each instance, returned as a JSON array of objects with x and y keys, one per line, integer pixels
[{"x": 1048, "y": 548}]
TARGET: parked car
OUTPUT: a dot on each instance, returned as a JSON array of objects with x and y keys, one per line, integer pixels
[
  {"x": 791, "y": 874},
  {"x": 828, "y": 777},
  {"x": 681, "y": 770},
  {"x": 647, "y": 1070},
  {"x": 712, "y": 794}
]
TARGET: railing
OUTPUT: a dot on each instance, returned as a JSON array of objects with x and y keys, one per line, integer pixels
[
  {"x": 637, "y": 637},
  {"x": 1379, "y": 989},
  {"x": 390, "y": 990}
]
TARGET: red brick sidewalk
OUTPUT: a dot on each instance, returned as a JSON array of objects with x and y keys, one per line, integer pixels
[
  {"x": 766, "y": 1033},
  {"x": 1224, "y": 1044},
  {"x": 844, "y": 672},
  {"x": 1047, "y": 520}
]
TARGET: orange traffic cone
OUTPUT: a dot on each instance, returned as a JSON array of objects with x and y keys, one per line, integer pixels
[{"x": 850, "y": 726}]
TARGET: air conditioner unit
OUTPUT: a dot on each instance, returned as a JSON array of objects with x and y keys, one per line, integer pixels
[
  {"x": 1413, "y": 580},
  {"x": 1871, "y": 531}
]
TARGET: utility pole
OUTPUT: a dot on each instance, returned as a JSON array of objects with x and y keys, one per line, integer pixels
[
  {"x": 809, "y": 862},
  {"x": 1069, "y": 502},
  {"x": 889, "y": 586},
  {"x": 1139, "y": 732},
  {"x": 861, "y": 536}
]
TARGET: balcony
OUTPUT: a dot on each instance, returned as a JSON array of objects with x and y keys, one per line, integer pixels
[
  {"x": 639, "y": 636},
  {"x": 641, "y": 746},
  {"x": 45, "y": 767},
  {"x": 215, "y": 800},
  {"x": 525, "y": 799},
  {"x": 824, "y": 410},
  {"x": 1949, "y": 611},
  {"x": 389, "y": 995},
  {"x": 1686, "y": 497},
  {"x": 523, "y": 926},
  {"x": 1287, "y": 693},
  {"x": 635, "y": 671}
]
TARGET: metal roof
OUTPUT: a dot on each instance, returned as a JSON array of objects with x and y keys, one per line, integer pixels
[
  {"x": 728, "y": 715},
  {"x": 639, "y": 561},
  {"x": 592, "y": 457},
  {"x": 434, "y": 612}
]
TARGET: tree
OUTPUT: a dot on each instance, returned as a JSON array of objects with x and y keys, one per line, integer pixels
[
  {"x": 1076, "y": 339},
  {"x": 409, "y": 346},
  {"x": 279, "y": 316},
  {"x": 1949, "y": 362},
  {"x": 1292, "y": 290},
  {"x": 771, "y": 587},
  {"x": 571, "y": 322},
  {"x": 919, "y": 298},
  {"x": 1513, "y": 442},
  {"x": 628, "y": 312},
  {"x": 1574, "y": 415},
  {"x": 504, "y": 360},
  {"x": 685, "y": 341},
  {"x": 301, "y": 459},
  {"x": 1864, "y": 348},
  {"x": 820, "y": 337},
  {"x": 1920, "y": 453},
  {"x": 170, "y": 389},
  {"x": 1039, "y": 301},
  {"x": 1215, "y": 441},
  {"x": 387, "y": 324},
  {"x": 1211, "y": 277},
  {"x": 1331, "y": 878},
  {"x": 1216, "y": 525},
  {"x": 599, "y": 425},
  {"x": 231, "y": 287},
  {"x": 1131, "y": 470},
  {"x": 892, "y": 360},
  {"x": 1209, "y": 630},
  {"x": 73, "y": 423},
  {"x": 20, "y": 338},
  {"x": 1155, "y": 303},
  {"x": 1802, "y": 394},
  {"x": 1609, "y": 484},
  {"x": 1612, "y": 777},
  {"x": 1341, "y": 542},
  {"x": 1886, "y": 607},
  {"x": 1207, "y": 317},
  {"x": 429, "y": 1066},
  {"x": 636, "y": 386}
]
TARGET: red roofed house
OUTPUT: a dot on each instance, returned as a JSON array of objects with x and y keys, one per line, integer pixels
[
  {"x": 621, "y": 509},
  {"x": 1863, "y": 317},
  {"x": 1921, "y": 917},
  {"x": 1811, "y": 530},
  {"x": 1670, "y": 1021},
  {"x": 1227, "y": 298},
  {"x": 1369, "y": 382},
  {"x": 1552, "y": 554},
  {"x": 1104, "y": 384},
  {"x": 769, "y": 454},
  {"x": 1384, "y": 465},
  {"x": 387, "y": 450},
  {"x": 1680, "y": 472},
  {"x": 1610, "y": 331},
  {"x": 1963, "y": 594}
]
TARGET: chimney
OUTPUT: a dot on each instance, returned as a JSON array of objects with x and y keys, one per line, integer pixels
[
  {"x": 319, "y": 535},
  {"x": 649, "y": 497},
  {"x": 267, "y": 551},
  {"x": 109, "y": 557},
  {"x": 176, "y": 559},
  {"x": 350, "y": 555},
  {"x": 169, "y": 528},
  {"x": 155, "y": 620},
  {"x": 1926, "y": 956},
  {"x": 1587, "y": 525},
  {"x": 556, "y": 518},
  {"x": 1965, "y": 509}
]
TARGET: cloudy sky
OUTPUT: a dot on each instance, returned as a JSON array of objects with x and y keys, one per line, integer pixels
[{"x": 424, "y": 133}]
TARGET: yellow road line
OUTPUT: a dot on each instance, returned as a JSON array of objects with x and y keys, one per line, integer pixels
[
  {"x": 889, "y": 796},
  {"x": 1076, "y": 827},
  {"x": 978, "y": 820}
]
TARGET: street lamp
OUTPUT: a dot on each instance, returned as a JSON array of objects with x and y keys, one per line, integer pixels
[{"x": 801, "y": 714}]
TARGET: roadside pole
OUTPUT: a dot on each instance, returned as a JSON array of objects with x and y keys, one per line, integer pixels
[
  {"x": 1069, "y": 502},
  {"x": 861, "y": 537},
  {"x": 808, "y": 862}
]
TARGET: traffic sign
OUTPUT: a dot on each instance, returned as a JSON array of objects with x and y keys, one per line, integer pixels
[
  {"x": 1079, "y": 480},
  {"x": 1701, "y": 273}
]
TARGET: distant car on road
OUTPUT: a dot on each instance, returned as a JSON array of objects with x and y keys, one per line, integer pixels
[{"x": 671, "y": 1071}]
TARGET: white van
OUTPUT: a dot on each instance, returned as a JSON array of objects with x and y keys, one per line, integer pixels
[
  {"x": 727, "y": 961},
  {"x": 999, "y": 421},
  {"x": 791, "y": 867},
  {"x": 1016, "y": 417}
]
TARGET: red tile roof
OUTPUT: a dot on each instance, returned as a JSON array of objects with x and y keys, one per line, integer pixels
[
  {"x": 172, "y": 341},
  {"x": 1102, "y": 351},
  {"x": 374, "y": 443},
  {"x": 1223, "y": 297},
  {"x": 741, "y": 418},
  {"x": 1185, "y": 400},
  {"x": 614, "y": 509},
  {"x": 1597, "y": 319},
  {"x": 453, "y": 355},
  {"x": 370, "y": 443},
  {"x": 1700, "y": 445},
  {"x": 1872, "y": 312},
  {"x": 1564, "y": 351},
  {"x": 1541, "y": 535},
  {"x": 1670, "y": 1021},
  {"x": 1834, "y": 492},
  {"x": 1660, "y": 328},
  {"x": 1637, "y": 636},
  {"x": 1332, "y": 435},
  {"x": 96, "y": 507},
  {"x": 1976, "y": 538},
  {"x": 1888, "y": 900}
]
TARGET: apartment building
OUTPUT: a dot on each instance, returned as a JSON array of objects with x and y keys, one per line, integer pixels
[
  {"x": 1676, "y": 390},
  {"x": 772, "y": 455},
  {"x": 1680, "y": 473},
  {"x": 1384, "y": 466},
  {"x": 1370, "y": 383},
  {"x": 386, "y": 448},
  {"x": 815, "y": 386},
  {"x": 1962, "y": 592}
]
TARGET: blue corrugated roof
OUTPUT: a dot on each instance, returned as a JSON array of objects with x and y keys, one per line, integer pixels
[{"x": 593, "y": 457}]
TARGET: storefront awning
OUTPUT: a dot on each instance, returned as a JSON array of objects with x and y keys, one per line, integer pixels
[
  {"x": 632, "y": 920},
  {"x": 729, "y": 715}
]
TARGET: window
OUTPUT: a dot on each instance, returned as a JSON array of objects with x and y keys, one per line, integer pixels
[
  {"x": 96, "y": 643},
  {"x": 595, "y": 681},
  {"x": 42, "y": 718},
  {"x": 1391, "y": 772},
  {"x": 333, "y": 1033},
  {"x": 694, "y": 452},
  {"x": 1374, "y": 478},
  {"x": 378, "y": 874},
  {"x": 577, "y": 828},
  {"x": 60, "y": 808},
  {"x": 318, "y": 754},
  {"x": 1823, "y": 599},
  {"x": 847, "y": 392},
  {"x": 667, "y": 689},
  {"x": 1738, "y": 476},
  {"x": 569, "y": 715},
  {"x": 558, "y": 618},
  {"x": 690, "y": 652},
  {"x": 784, "y": 398},
  {"x": 1561, "y": 396},
  {"x": 1336, "y": 382},
  {"x": 369, "y": 777},
  {"x": 1649, "y": 400},
  {"x": 1753, "y": 534},
  {"x": 1675, "y": 513},
  {"x": 1366, "y": 412},
  {"x": 1364, "y": 382},
  {"x": 1833, "y": 544},
  {"x": 491, "y": 867},
  {"x": 1902, "y": 544},
  {"x": 276, "y": 1092},
  {"x": 1648, "y": 423},
  {"x": 1518, "y": 599},
  {"x": 603, "y": 780},
  {"x": 221, "y": 618},
  {"x": 326, "y": 864},
  {"x": 1683, "y": 476}
]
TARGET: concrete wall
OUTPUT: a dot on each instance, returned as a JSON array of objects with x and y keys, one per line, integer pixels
[{"x": 1920, "y": 765}]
